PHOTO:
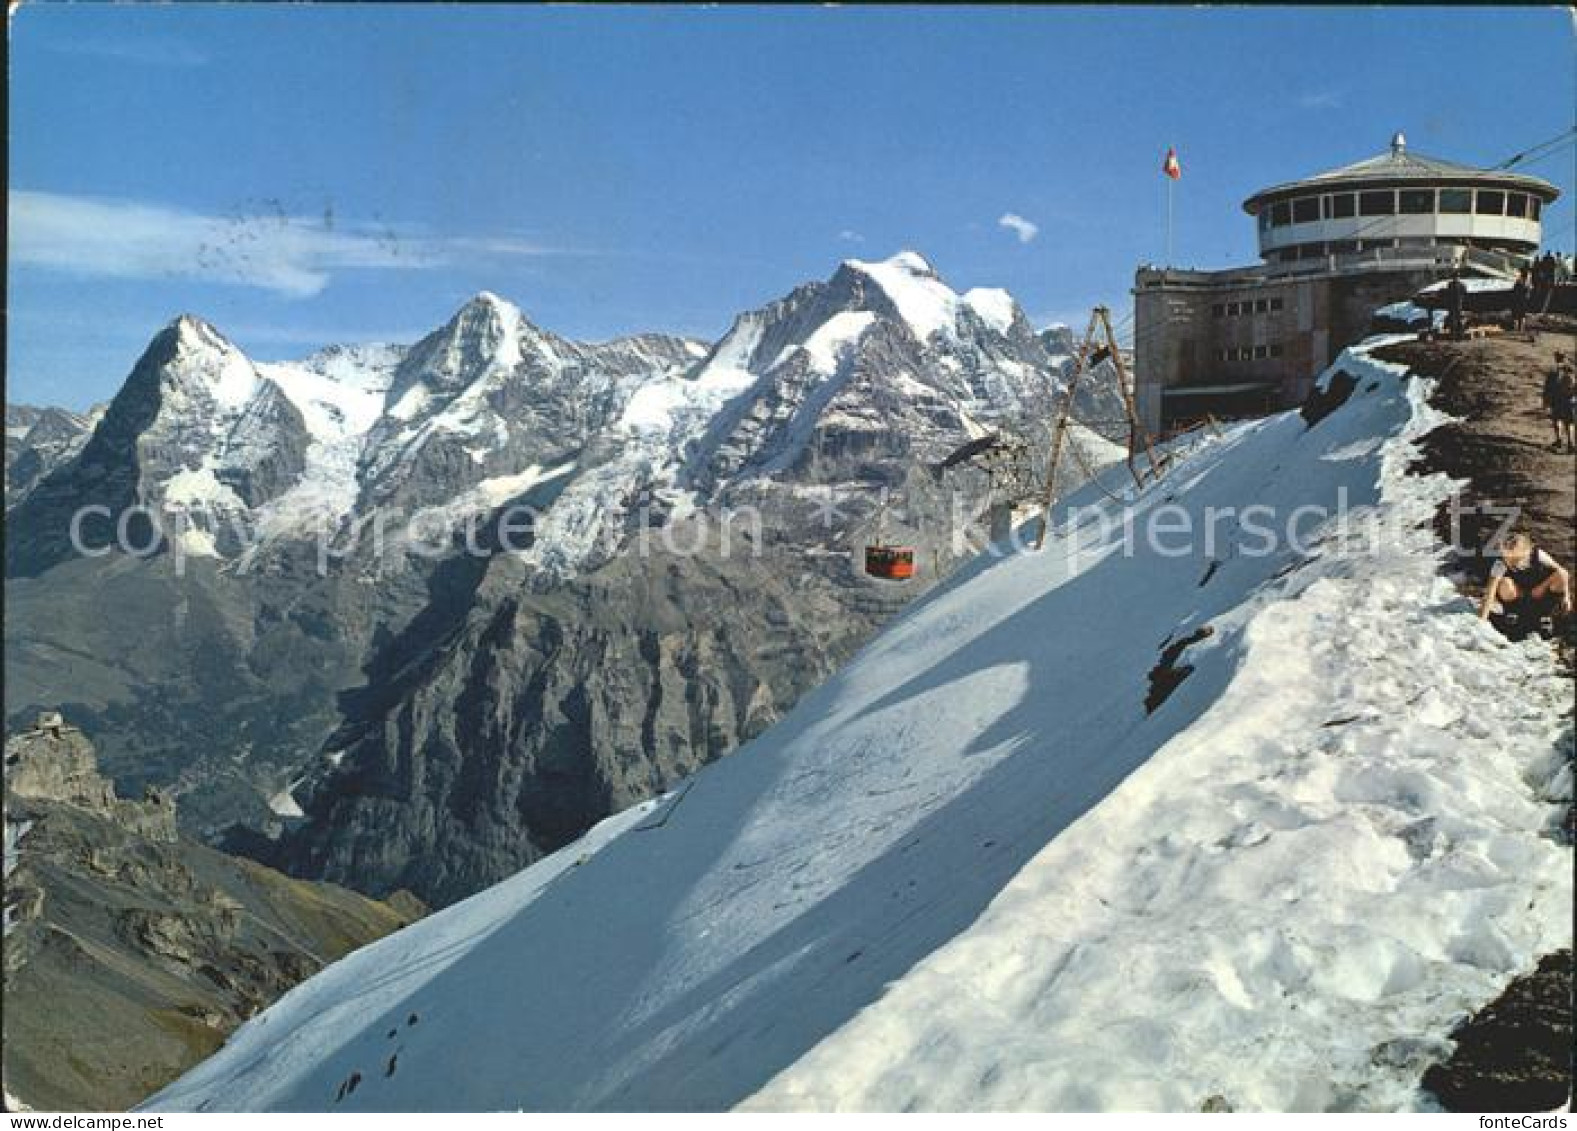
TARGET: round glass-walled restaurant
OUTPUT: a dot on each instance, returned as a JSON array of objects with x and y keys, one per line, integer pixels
[{"x": 1400, "y": 200}]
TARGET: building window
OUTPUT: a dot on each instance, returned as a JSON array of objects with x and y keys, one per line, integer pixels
[
  {"x": 1341, "y": 206},
  {"x": 1377, "y": 203},
  {"x": 1275, "y": 351},
  {"x": 1280, "y": 215},
  {"x": 1457, "y": 200},
  {"x": 1218, "y": 310},
  {"x": 1417, "y": 202},
  {"x": 1344, "y": 247},
  {"x": 1261, "y": 352},
  {"x": 1516, "y": 204},
  {"x": 1533, "y": 207},
  {"x": 1264, "y": 219},
  {"x": 1306, "y": 210},
  {"x": 1312, "y": 251},
  {"x": 1490, "y": 203},
  {"x": 1275, "y": 304},
  {"x": 1261, "y": 306}
]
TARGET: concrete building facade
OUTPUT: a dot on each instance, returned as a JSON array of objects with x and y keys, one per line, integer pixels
[{"x": 1334, "y": 247}]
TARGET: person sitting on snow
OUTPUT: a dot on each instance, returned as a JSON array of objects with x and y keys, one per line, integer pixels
[{"x": 1526, "y": 588}]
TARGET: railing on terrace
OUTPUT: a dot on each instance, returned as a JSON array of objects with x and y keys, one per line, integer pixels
[{"x": 1439, "y": 258}]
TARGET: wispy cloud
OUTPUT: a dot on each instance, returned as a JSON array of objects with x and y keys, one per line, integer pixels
[
  {"x": 1025, "y": 230},
  {"x": 268, "y": 248},
  {"x": 145, "y": 51},
  {"x": 1322, "y": 100},
  {"x": 849, "y": 235}
]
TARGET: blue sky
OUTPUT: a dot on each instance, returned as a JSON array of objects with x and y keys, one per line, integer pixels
[{"x": 301, "y": 175}]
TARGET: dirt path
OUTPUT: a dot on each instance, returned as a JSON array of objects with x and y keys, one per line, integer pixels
[
  {"x": 1501, "y": 443},
  {"x": 1516, "y": 1053}
]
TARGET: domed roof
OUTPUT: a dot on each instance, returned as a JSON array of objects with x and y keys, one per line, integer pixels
[{"x": 1399, "y": 166}]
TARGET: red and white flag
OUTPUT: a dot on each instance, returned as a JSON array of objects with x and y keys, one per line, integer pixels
[{"x": 1170, "y": 166}]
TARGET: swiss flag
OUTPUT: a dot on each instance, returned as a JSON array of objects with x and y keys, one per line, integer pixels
[{"x": 1170, "y": 166}]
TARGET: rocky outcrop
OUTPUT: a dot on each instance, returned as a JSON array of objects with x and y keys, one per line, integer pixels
[
  {"x": 51, "y": 761},
  {"x": 131, "y": 952},
  {"x": 1515, "y": 1054}
]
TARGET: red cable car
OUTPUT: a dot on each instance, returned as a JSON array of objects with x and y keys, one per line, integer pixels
[{"x": 891, "y": 563}]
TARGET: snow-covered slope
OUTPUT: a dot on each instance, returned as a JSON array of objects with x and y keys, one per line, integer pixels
[{"x": 972, "y": 871}]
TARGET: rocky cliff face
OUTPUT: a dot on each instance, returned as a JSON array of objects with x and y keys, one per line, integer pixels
[
  {"x": 130, "y": 951},
  {"x": 551, "y": 709}
]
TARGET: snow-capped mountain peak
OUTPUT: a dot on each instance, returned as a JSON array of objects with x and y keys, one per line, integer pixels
[
  {"x": 909, "y": 262},
  {"x": 994, "y": 306},
  {"x": 206, "y": 363},
  {"x": 884, "y": 356},
  {"x": 484, "y": 335},
  {"x": 921, "y": 299},
  {"x": 192, "y": 332},
  {"x": 878, "y": 360}
]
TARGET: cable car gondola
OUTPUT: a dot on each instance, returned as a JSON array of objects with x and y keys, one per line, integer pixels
[{"x": 890, "y": 563}]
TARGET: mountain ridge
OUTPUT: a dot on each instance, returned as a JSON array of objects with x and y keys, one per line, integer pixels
[{"x": 324, "y": 508}]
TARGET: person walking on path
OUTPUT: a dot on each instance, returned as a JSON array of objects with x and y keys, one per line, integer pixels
[
  {"x": 1519, "y": 300},
  {"x": 1560, "y": 401},
  {"x": 1456, "y": 294}
]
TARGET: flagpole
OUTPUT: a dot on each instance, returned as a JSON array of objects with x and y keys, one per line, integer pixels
[
  {"x": 1169, "y": 182},
  {"x": 1171, "y": 171}
]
